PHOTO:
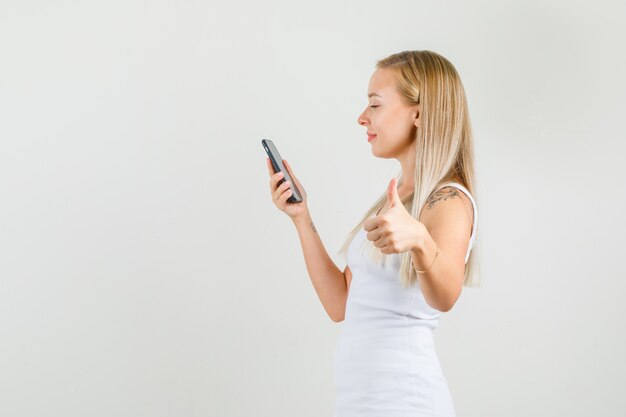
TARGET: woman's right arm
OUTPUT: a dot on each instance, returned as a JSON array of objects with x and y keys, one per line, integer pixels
[{"x": 331, "y": 285}]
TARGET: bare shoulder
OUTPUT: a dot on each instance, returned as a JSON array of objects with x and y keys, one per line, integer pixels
[
  {"x": 447, "y": 215},
  {"x": 448, "y": 207}
]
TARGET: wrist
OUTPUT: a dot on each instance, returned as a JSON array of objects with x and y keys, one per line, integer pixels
[
  {"x": 419, "y": 242},
  {"x": 425, "y": 254},
  {"x": 302, "y": 219}
]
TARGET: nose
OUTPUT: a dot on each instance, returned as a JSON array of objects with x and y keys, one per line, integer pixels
[{"x": 361, "y": 119}]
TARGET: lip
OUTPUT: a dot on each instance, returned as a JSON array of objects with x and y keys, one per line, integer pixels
[{"x": 370, "y": 137}]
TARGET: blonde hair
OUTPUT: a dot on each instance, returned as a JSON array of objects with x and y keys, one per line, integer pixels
[{"x": 444, "y": 146}]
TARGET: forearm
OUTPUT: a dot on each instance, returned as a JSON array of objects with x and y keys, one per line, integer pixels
[
  {"x": 439, "y": 283},
  {"x": 328, "y": 280}
]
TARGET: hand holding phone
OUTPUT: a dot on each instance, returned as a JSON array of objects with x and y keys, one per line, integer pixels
[{"x": 287, "y": 192}]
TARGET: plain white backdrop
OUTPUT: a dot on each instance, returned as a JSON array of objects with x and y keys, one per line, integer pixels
[{"x": 144, "y": 270}]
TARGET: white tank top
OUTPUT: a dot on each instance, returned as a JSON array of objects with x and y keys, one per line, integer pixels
[
  {"x": 358, "y": 263},
  {"x": 385, "y": 361}
]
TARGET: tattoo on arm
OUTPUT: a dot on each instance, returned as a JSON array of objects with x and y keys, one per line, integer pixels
[
  {"x": 313, "y": 227},
  {"x": 445, "y": 193},
  {"x": 442, "y": 194}
]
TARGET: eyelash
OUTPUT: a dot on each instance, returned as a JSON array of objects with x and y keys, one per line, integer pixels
[{"x": 373, "y": 106}]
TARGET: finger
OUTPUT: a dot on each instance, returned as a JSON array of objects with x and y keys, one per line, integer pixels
[
  {"x": 284, "y": 186},
  {"x": 370, "y": 224},
  {"x": 275, "y": 178},
  {"x": 269, "y": 168},
  {"x": 389, "y": 248},
  {"x": 285, "y": 196},
  {"x": 293, "y": 176},
  {"x": 273, "y": 173}
]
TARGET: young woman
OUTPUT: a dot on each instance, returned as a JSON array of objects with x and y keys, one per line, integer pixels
[{"x": 411, "y": 254}]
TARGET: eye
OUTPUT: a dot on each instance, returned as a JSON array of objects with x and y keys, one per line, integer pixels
[{"x": 373, "y": 106}]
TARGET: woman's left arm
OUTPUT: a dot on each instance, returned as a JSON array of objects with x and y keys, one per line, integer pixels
[
  {"x": 444, "y": 223},
  {"x": 447, "y": 227}
]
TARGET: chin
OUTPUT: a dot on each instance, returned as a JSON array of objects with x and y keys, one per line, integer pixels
[{"x": 382, "y": 155}]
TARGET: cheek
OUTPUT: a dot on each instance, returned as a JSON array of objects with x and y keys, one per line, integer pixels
[
  {"x": 393, "y": 127},
  {"x": 383, "y": 121},
  {"x": 390, "y": 123},
  {"x": 401, "y": 123}
]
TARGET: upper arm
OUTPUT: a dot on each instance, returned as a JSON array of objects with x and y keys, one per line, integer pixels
[{"x": 448, "y": 217}]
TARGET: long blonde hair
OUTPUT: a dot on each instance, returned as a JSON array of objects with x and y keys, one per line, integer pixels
[{"x": 444, "y": 146}]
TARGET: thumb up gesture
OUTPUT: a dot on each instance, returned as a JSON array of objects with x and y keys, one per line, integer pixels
[{"x": 395, "y": 230}]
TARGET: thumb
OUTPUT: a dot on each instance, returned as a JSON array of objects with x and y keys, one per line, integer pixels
[{"x": 392, "y": 194}]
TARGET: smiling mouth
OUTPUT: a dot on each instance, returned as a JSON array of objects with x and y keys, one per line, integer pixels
[{"x": 371, "y": 137}]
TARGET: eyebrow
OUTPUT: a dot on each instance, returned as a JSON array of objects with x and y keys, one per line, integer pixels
[{"x": 373, "y": 94}]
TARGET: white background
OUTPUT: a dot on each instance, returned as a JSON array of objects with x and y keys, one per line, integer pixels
[{"x": 144, "y": 270}]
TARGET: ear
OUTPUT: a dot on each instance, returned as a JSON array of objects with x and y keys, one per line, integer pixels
[{"x": 418, "y": 112}]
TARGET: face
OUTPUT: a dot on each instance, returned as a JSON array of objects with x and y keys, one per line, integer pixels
[{"x": 388, "y": 116}]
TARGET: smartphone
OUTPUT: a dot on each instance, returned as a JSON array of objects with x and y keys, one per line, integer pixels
[{"x": 277, "y": 163}]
